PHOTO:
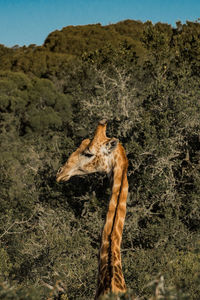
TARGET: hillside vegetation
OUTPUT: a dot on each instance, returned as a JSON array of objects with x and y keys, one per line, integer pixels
[{"x": 145, "y": 79}]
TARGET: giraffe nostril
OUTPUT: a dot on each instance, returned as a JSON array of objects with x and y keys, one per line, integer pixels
[{"x": 59, "y": 170}]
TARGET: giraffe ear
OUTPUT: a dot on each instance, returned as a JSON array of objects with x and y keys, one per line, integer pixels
[{"x": 112, "y": 144}]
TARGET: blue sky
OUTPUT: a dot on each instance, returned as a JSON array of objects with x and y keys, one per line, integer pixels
[{"x": 25, "y": 22}]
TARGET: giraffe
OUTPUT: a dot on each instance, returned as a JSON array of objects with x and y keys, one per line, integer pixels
[{"x": 103, "y": 154}]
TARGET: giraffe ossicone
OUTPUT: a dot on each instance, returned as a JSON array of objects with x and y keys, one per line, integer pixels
[{"x": 107, "y": 155}]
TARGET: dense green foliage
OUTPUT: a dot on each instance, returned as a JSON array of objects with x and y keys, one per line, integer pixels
[{"x": 145, "y": 79}]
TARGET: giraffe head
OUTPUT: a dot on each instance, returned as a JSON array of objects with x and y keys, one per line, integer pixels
[{"x": 96, "y": 155}]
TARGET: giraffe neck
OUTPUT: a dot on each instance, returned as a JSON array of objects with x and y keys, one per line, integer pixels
[{"x": 110, "y": 277}]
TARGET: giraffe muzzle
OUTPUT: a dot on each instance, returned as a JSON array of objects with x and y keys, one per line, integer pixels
[{"x": 60, "y": 177}]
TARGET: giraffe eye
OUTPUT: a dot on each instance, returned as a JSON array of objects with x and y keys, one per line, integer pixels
[{"x": 88, "y": 154}]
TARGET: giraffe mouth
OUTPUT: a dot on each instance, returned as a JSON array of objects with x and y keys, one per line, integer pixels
[{"x": 62, "y": 178}]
